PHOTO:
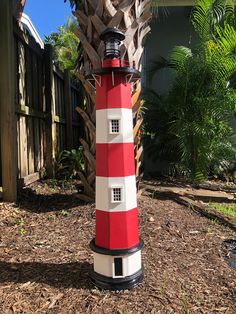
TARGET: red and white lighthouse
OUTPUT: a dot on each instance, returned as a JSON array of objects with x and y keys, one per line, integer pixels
[{"x": 116, "y": 247}]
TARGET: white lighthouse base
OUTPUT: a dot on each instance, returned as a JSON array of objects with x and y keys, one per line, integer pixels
[{"x": 117, "y": 269}]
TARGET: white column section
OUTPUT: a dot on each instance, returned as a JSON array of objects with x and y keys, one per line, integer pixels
[
  {"x": 104, "y": 187},
  {"x": 104, "y": 264},
  {"x": 103, "y": 118}
]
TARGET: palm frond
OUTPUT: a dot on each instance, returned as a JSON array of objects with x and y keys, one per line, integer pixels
[
  {"x": 209, "y": 13},
  {"x": 221, "y": 54},
  {"x": 154, "y": 8},
  {"x": 155, "y": 66},
  {"x": 179, "y": 57}
]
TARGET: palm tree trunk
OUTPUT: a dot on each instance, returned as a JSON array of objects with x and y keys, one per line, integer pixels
[{"x": 94, "y": 16}]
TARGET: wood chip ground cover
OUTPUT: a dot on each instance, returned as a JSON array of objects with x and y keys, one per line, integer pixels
[{"x": 45, "y": 259}]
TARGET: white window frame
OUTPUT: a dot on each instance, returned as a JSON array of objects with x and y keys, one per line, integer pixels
[
  {"x": 122, "y": 194},
  {"x": 110, "y": 124}
]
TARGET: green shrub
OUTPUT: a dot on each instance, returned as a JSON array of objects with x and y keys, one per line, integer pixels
[
  {"x": 191, "y": 125},
  {"x": 69, "y": 163}
]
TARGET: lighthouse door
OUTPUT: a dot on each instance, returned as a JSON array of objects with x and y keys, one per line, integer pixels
[{"x": 118, "y": 267}]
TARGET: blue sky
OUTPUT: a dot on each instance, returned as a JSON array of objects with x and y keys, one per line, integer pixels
[{"x": 47, "y": 15}]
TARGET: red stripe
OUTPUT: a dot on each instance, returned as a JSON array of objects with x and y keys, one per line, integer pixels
[
  {"x": 109, "y": 96},
  {"x": 115, "y": 160},
  {"x": 111, "y": 63},
  {"x": 117, "y": 230}
]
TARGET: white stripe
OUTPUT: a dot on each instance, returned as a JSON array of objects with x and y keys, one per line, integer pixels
[
  {"x": 104, "y": 187},
  {"x": 103, "y": 118},
  {"x": 104, "y": 264}
]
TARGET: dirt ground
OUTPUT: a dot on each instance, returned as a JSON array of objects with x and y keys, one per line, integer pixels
[{"x": 45, "y": 259}]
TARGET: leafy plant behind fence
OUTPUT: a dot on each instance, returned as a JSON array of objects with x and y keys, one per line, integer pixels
[{"x": 69, "y": 163}]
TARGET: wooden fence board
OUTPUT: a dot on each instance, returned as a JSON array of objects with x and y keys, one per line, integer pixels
[
  {"x": 41, "y": 86},
  {"x": 18, "y": 147},
  {"x": 36, "y": 145},
  {"x": 50, "y": 109},
  {"x": 29, "y": 90},
  {"x": 23, "y": 147},
  {"x": 58, "y": 100},
  {"x": 7, "y": 103},
  {"x": 21, "y": 71},
  {"x": 16, "y": 70},
  {"x": 28, "y": 111},
  {"x": 35, "y": 85},
  {"x": 42, "y": 143},
  {"x": 24, "y": 181},
  {"x": 30, "y": 145},
  {"x": 29, "y": 41},
  {"x": 55, "y": 107}
]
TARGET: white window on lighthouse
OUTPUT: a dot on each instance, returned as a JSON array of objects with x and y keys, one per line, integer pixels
[
  {"x": 114, "y": 126},
  {"x": 116, "y": 195}
]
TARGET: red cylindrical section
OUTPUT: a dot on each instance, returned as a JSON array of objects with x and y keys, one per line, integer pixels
[
  {"x": 113, "y": 92},
  {"x": 115, "y": 160},
  {"x": 111, "y": 63},
  {"x": 118, "y": 230}
]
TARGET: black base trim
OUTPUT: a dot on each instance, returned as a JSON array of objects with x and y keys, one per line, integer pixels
[
  {"x": 114, "y": 284},
  {"x": 119, "y": 252}
]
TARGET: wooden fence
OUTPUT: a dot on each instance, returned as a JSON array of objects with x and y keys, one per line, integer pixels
[{"x": 43, "y": 120}]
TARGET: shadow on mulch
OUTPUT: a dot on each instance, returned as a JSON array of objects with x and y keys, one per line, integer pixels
[
  {"x": 43, "y": 203},
  {"x": 68, "y": 275},
  {"x": 163, "y": 181},
  {"x": 162, "y": 195}
]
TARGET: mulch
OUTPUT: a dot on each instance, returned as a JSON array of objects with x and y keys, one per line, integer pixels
[{"x": 45, "y": 259}]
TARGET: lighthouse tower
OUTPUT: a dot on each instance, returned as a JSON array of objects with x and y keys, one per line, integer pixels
[{"x": 116, "y": 247}]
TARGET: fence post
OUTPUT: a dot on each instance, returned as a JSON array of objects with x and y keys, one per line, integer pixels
[
  {"x": 50, "y": 153},
  {"x": 7, "y": 103},
  {"x": 68, "y": 110}
]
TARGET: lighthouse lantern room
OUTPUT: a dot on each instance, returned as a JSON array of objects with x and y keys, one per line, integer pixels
[{"x": 116, "y": 247}]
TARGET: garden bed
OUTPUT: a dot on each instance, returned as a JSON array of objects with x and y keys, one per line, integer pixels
[{"x": 45, "y": 259}]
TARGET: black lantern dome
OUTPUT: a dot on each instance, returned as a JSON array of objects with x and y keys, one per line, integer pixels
[{"x": 112, "y": 38}]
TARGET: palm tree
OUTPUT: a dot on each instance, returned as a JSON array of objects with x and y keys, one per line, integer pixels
[
  {"x": 94, "y": 16},
  {"x": 65, "y": 44}
]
